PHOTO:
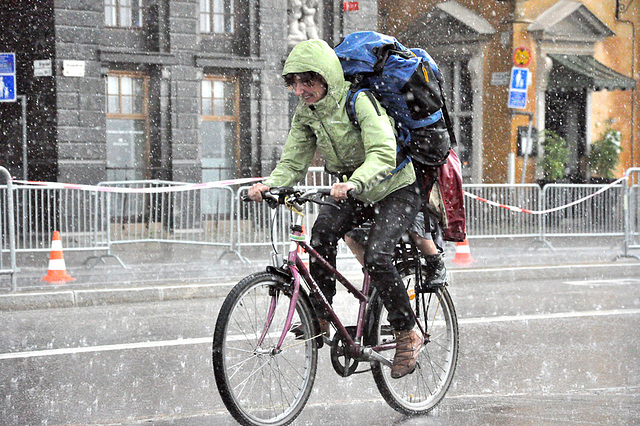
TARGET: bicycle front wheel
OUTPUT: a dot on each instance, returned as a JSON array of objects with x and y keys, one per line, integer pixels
[
  {"x": 420, "y": 391},
  {"x": 259, "y": 383}
]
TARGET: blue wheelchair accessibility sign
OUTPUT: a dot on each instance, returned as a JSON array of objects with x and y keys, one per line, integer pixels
[{"x": 7, "y": 77}]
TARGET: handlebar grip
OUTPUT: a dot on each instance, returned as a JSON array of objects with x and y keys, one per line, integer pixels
[{"x": 270, "y": 199}]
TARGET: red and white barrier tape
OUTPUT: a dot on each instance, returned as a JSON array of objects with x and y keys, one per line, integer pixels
[
  {"x": 224, "y": 183},
  {"x": 174, "y": 188},
  {"x": 555, "y": 209}
]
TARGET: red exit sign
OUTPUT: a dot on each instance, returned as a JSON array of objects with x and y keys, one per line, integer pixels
[{"x": 350, "y": 6}]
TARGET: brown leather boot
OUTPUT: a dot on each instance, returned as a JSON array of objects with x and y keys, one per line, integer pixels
[{"x": 408, "y": 344}]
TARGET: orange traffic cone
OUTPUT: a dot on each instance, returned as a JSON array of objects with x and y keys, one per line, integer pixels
[
  {"x": 463, "y": 254},
  {"x": 57, "y": 269},
  {"x": 302, "y": 253}
]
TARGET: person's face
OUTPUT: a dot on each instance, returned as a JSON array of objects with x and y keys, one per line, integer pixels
[{"x": 310, "y": 91}]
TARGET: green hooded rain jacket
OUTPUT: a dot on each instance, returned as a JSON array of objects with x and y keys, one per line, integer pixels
[{"x": 368, "y": 154}]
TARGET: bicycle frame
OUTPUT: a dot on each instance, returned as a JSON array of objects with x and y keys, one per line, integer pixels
[
  {"x": 267, "y": 336},
  {"x": 299, "y": 271}
]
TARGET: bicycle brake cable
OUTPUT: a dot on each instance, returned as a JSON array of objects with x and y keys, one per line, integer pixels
[{"x": 292, "y": 205}]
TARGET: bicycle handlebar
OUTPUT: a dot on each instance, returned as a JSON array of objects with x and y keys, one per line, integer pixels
[{"x": 279, "y": 195}]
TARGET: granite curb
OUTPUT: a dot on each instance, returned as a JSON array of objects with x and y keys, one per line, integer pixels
[{"x": 160, "y": 292}]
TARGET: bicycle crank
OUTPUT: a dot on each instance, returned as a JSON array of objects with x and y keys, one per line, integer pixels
[{"x": 341, "y": 361}]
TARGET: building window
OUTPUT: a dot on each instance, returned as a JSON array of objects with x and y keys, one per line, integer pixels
[
  {"x": 217, "y": 16},
  {"x": 127, "y": 127},
  {"x": 220, "y": 128},
  {"x": 459, "y": 96},
  {"x": 123, "y": 13}
]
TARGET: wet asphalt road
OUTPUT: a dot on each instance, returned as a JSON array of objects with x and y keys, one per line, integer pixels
[{"x": 558, "y": 351}]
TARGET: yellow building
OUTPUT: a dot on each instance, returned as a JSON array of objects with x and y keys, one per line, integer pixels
[{"x": 581, "y": 59}]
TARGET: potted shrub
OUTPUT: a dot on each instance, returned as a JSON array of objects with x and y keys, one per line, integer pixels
[
  {"x": 604, "y": 155},
  {"x": 555, "y": 157}
]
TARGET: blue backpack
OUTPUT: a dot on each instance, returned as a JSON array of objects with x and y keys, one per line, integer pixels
[{"x": 405, "y": 81}]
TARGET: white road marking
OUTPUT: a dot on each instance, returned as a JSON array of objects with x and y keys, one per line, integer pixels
[
  {"x": 208, "y": 340},
  {"x": 106, "y": 348},
  {"x": 552, "y": 315},
  {"x": 621, "y": 281}
]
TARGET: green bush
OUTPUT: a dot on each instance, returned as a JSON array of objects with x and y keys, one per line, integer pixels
[
  {"x": 604, "y": 156},
  {"x": 556, "y": 156}
]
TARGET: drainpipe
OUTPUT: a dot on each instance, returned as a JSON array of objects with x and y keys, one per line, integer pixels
[{"x": 620, "y": 9}]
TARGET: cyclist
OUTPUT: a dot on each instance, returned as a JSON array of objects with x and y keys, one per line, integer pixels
[{"x": 363, "y": 159}]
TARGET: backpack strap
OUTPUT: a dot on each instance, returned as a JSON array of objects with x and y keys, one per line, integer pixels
[
  {"x": 407, "y": 160},
  {"x": 445, "y": 114},
  {"x": 403, "y": 134},
  {"x": 352, "y": 95}
]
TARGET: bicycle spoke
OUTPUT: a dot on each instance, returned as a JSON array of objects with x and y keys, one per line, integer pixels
[
  {"x": 240, "y": 386},
  {"x": 421, "y": 390},
  {"x": 259, "y": 384}
]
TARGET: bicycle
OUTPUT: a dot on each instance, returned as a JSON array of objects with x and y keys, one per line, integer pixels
[{"x": 266, "y": 339}]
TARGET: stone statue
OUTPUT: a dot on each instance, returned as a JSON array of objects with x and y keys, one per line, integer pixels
[{"x": 302, "y": 24}]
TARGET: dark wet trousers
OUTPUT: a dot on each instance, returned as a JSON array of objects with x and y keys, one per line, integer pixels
[{"x": 390, "y": 218}]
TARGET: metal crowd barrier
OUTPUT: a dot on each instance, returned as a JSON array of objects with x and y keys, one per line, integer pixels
[
  {"x": 203, "y": 216},
  {"x": 495, "y": 222},
  {"x": 7, "y": 229},
  {"x": 80, "y": 217},
  {"x": 632, "y": 208},
  {"x": 601, "y": 215},
  {"x": 95, "y": 220}
]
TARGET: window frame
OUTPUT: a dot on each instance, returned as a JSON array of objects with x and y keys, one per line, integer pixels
[
  {"x": 117, "y": 5},
  {"x": 225, "y": 118},
  {"x": 229, "y": 14},
  {"x": 143, "y": 116}
]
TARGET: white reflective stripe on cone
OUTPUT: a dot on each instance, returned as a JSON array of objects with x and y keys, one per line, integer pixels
[
  {"x": 464, "y": 248},
  {"x": 56, "y": 265}
]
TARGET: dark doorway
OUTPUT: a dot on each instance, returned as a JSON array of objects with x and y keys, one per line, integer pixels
[{"x": 566, "y": 115}]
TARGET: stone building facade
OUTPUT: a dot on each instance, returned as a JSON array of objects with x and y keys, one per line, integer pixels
[{"x": 183, "y": 90}]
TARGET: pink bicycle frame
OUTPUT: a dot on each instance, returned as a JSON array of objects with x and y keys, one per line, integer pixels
[{"x": 300, "y": 270}]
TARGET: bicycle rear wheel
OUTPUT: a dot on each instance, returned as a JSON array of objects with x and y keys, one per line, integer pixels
[
  {"x": 420, "y": 391},
  {"x": 258, "y": 384}
]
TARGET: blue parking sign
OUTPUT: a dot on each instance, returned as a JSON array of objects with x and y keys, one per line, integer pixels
[
  {"x": 517, "y": 99},
  {"x": 7, "y": 63},
  {"x": 7, "y": 77}
]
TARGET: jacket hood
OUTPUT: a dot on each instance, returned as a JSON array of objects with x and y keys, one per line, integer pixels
[{"x": 317, "y": 56}]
